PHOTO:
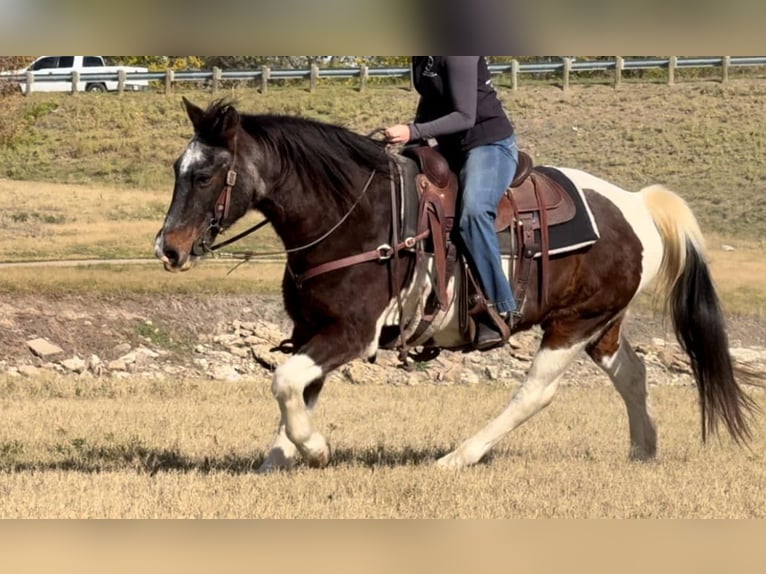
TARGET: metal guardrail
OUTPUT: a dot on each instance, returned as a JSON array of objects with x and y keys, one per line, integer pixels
[{"x": 565, "y": 66}]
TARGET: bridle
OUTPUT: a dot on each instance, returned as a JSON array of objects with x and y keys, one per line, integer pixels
[{"x": 381, "y": 253}]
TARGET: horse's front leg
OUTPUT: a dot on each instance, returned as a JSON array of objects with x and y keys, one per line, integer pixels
[
  {"x": 283, "y": 454},
  {"x": 296, "y": 387}
]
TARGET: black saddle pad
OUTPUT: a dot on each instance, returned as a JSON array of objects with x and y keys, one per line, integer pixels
[{"x": 565, "y": 237}]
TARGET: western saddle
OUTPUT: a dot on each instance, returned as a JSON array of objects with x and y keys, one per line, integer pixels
[{"x": 532, "y": 204}]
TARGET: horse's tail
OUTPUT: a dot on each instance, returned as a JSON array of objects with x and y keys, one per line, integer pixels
[{"x": 685, "y": 284}]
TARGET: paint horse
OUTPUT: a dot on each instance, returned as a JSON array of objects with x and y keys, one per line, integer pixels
[{"x": 327, "y": 193}]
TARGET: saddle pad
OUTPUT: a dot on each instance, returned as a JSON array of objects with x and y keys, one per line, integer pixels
[{"x": 570, "y": 236}]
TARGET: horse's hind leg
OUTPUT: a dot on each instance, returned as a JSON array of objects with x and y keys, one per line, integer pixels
[
  {"x": 535, "y": 394},
  {"x": 614, "y": 354}
]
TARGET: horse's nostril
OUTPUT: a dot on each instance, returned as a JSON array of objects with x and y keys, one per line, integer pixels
[{"x": 171, "y": 254}]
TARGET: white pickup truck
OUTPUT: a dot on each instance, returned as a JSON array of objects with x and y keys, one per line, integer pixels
[{"x": 85, "y": 65}]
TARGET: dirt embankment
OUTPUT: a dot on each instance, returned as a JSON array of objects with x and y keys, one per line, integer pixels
[{"x": 225, "y": 338}]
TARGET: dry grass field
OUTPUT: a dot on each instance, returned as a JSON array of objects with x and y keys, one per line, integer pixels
[
  {"x": 90, "y": 177},
  {"x": 142, "y": 449}
]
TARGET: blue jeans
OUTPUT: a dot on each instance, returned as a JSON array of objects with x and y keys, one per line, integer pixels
[{"x": 485, "y": 176}]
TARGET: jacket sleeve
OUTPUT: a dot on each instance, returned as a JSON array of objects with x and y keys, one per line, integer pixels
[{"x": 462, "y": 82}]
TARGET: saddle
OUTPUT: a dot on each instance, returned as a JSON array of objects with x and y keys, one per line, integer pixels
[{"x": 533, "y": 203}]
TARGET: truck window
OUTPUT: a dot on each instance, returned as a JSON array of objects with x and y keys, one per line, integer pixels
[
  {"x": 45, "y": 63},
  {"x": 66, "y": 61},
  {"x": 92, "y": 61}
]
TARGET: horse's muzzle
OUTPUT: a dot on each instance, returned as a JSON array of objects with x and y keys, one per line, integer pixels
[{"x": 175, "y": 255}]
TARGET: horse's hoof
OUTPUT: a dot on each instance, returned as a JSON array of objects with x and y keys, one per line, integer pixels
[
  {"x": 276, "y": 461},
  {"x": 317, "y": 452},
  {"x": 452, "y": 461}
]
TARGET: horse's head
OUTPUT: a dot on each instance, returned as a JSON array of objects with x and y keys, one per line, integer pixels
[{"x": 212, "y": 187}]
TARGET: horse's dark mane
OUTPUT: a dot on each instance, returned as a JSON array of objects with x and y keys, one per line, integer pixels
[{"x": 326, "y": 158}]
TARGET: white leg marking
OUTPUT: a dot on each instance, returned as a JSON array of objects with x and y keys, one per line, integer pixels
[
  {"x": 290, "y": 379},
  {"x": 282, "y": 454},
  {"x": 535, "y": 394}
]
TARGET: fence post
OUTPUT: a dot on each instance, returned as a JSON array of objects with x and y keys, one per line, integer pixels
[
  {"x": 619, "y": 66},
  {"x": 725, "y": 69},
  {"x": 75, "y": 81},
  {"x": 364, "y": 74},
  {"x": 313, "y": 77},
  {"x": 120, "y": 81},
  {"x": 672, "y": 65},
  {"x": 30, "y": 81},
  {"x": 264, "y": 79},
  {"x": 412, "y": 79},
  {"x": 169, "y": 77},
  {"x": 566, "y": 71},
  {"x": 214, "y": 84},
  {"x": 514, "y": 75}
]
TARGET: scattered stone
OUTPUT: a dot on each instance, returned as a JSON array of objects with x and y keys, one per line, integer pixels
[
  {"x": 265, "y": 358},
  {"x": 117, "y": 365},
  {"x": 727, "y": 248},
  {"x": 43, "y": 348},
  {"x": 128, "y": 358},
  {"x": 147, "y": 353},
  {"x": 74, "y": 365},
  {"x": 225, "y": 373},
  {"x": 95, "y": 365},
  {"x": 492, "y": 372},
  {"x": 241, "y": 352},
  {"x": 121, "y": 349},
  {"x": 469, "y": 377}
]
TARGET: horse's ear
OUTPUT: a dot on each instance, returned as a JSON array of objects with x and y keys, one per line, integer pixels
[
  {"x": 195, "y": 113},
  {"x": 227, "y": 123}
]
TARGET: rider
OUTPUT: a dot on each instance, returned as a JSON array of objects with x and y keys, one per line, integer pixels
[{"x": 459, "y": 108}]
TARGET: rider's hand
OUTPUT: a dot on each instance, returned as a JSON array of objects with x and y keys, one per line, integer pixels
[{"x": 398, "y": 134}]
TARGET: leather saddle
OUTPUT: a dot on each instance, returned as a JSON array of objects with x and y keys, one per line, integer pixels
[{"x": 533, "y": 203}]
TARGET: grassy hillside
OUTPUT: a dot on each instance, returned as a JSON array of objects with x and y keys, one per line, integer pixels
[{"x": 703, "y": 139}]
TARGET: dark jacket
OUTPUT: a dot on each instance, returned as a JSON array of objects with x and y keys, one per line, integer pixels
[{"x": 458, "y": 104}]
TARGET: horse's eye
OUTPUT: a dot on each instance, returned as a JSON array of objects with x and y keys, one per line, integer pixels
[{"x": 202, "y": 180}]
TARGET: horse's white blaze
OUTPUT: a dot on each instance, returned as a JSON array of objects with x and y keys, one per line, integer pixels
[
  {"x": 636, "y": 213},
  {"x": 191, "y": 156}
]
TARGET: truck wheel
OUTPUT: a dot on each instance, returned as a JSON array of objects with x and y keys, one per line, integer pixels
[{"x": 95, "y": 88}]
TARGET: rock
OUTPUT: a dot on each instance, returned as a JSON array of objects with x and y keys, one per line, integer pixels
[
  {"x": 748, "y": 355},
  {"x": 265, "y": 358},
  {"x": 727, "y": 248},
  {"x": 122, "y": 349},
  {"x": 95, "y": 365},
  {"x": 241, "y": 352},
  {"x": 147, "y": 353},
  {"x": 74, "y": 365},
  {"x": 43, "y": 348},
  {"x": 492, "y": 372},
  {"x": 200, "y": 349},
  {"x": 13, "y": 372},
  {"x": 225, "y": 373},
  {"x": 469, "y": 377},
  {"x": 201, "y": 363},
  {"x": 128, "y": 358},
  {"x": 117, "y": 365}
]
